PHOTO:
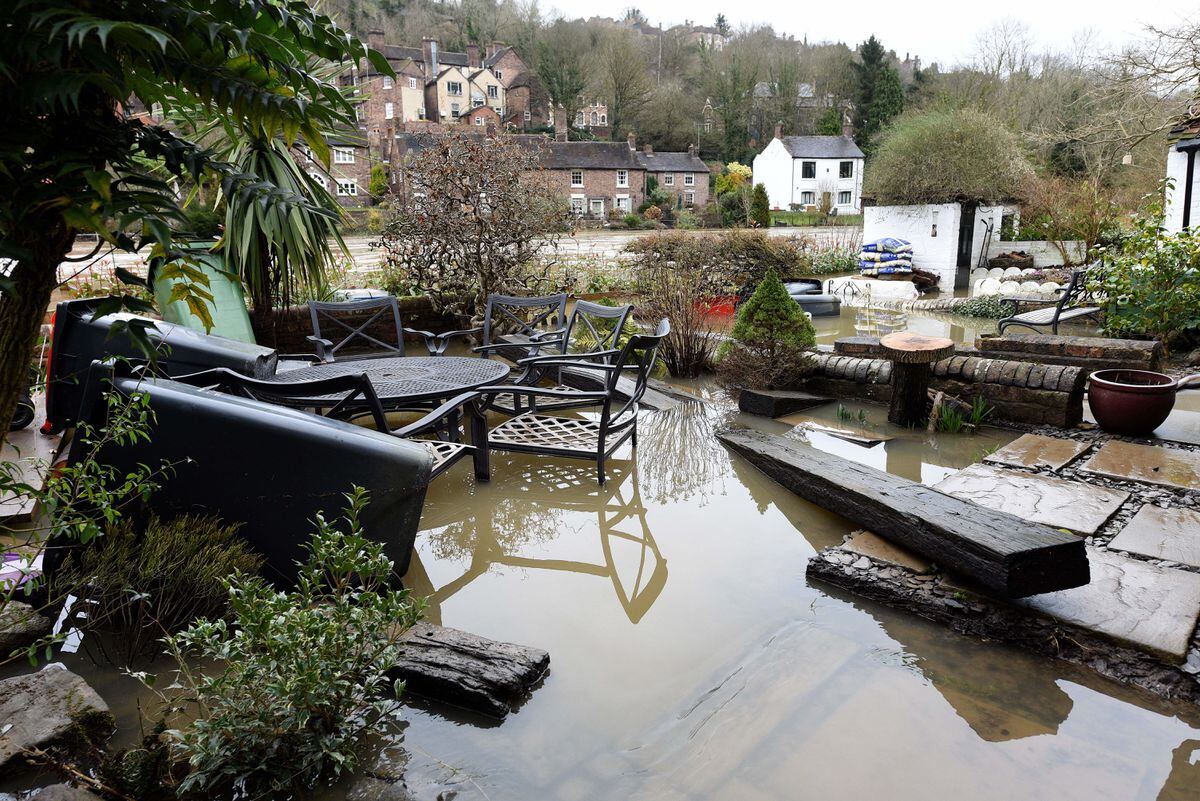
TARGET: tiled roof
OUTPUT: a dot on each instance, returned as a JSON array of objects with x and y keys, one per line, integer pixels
[
  {"x": 671, "y": 162},
  {"x": 581, "y": 155},
  {"x": 822, "y": 147}
]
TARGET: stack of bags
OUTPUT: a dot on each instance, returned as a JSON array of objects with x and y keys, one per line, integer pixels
[{"x": 885, "y": 257}]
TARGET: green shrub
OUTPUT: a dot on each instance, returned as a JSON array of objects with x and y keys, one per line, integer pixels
[
  {"x": 299, "y": 676},
  {"x": 834, "y": 260},
  {"x": 632, "y": 220},
  {"x": 983, "y": 306},
  {"x": 1151, "y": 281},
  {"x": 154, "y": 580},
  {"x": 379, "y": 181},
  {"x": 202, "y": 222},
  {"x": 770, "y": 338},
  {"x": 760, "y": 207},
  {"x": 686, "y": 220}
]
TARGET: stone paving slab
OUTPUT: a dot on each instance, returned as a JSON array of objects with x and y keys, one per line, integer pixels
[
  {"x": 871, "y": 544},
  {"x": 1056, "y": 502},
  {"x": 1169, "y": 534},
  {"x": 1035, "y": 450},
  {"x": 1166, "y": 467},
  {"x": 1141, "y": 605}
]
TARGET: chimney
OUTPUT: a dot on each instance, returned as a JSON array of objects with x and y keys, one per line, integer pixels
[
  {"x": 691, "y": 150},
  {"x": 632, "y": 139},
  {"x": 648, "y": 149},
  {"x": 493, "y": 48},
  {"x": 375, "y": 40},
  {"x": 779, "y": 130},
  {"x": 847, "y": 126},
  {"x": 560, "y": 123},
  {"x": 429, "y": 51},
  {"x": 473, "y": 57}
]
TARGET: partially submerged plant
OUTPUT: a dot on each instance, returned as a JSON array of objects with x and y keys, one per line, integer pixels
[
  {"x": 301, "y": 675},
  {"x": 770, "y": 339}
]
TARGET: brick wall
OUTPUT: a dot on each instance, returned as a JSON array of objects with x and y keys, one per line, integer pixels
[
  {"x": 602, "y": 183},
  {"x": 1094, "y": 353},
  {"x": 700, "y": 188},
  {"x": 359, "y": 172}
]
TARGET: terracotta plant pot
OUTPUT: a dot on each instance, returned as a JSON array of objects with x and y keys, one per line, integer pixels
[{"x": 1133, "y": 402}]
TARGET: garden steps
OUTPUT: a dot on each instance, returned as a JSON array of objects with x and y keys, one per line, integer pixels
[{"x": 1009, "y": 556}]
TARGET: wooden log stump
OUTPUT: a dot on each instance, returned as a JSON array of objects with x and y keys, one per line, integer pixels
[{"x": 911, "y": 354}]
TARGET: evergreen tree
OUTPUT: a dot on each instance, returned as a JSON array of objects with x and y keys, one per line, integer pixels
[
  {"x": 722, "y": 25},
  {"x": 770, "y": 322},
  {"x": 880, "y": 94},
  {"x": 760, "y": 207},
  {"x": 829, "y": 123}
]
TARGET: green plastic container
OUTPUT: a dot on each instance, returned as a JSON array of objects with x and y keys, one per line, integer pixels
[{"x": 230, "y": 315}]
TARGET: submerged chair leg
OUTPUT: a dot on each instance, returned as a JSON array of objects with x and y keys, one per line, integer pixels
[{"x": 479, "y": 440}]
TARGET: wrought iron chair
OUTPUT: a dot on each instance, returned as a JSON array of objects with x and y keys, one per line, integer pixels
[
  {"x": 1073, "y": 304},
  {"x": 334, "y": 316},
  {"x": 591, "y": 334},
  {"x": 526, "y": 324},
  {"x": 355, "y": 397},
  {"x": 579, "y": 438}
]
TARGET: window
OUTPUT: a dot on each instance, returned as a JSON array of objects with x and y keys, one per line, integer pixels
[
  {"x": 493, "y": 91},
  {"x": 412, "y": 83},
  {"x": 578, "y": 119},
  {"x": 623, "y": 203},
  {"x": 578, "y": 204},
  {"x": 421, "y": 113},
  {"x": 808, "y": 198},
  {"x": 528, "y": 116},
  {"x": 476, "y": 102},
  {"x": 689, "y": 179},
  {"x": 389, "y": 111},
  {"x": 576, "y": 177},
  {"x": 387, "y": 82},
  {"x": 595, "y": 118},
  {"x": 604, "y": 119},
  {"x": 347, "y": 188},
  {"x": 843, "y": 198},
  {"x": 808, "y": 169},
  {"x": 622, "y": 177},
  {"x": 499, "y": 75},
  {"x": 479, "y": 120},
  {"x": 319, "y": 177},
  {"x": 455, "y": 111},
  {"x": 689, "y": 198},
  {"x": 669, "y": 179},
  {"x": 343, "y": 155},
  {"x": 708, "y": 126},
  {"x": 453, "y": 88},
  {"x": 846, "y": 169}
]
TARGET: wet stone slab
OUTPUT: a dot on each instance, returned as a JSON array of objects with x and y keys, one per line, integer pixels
[
  {"x": 1134, "y": 603},
  {"x": 1169, "y": 534},
  {"x": 1035, "y": 450},
  {"x": 1041, "y": 499},
  {"x": 1167, "y": 467}
]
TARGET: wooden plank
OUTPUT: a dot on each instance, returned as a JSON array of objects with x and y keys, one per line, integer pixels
[
  {"x": 777, "y": 403},
  {"x": 1002, "y": 552},
  {"x": 467, "y": 670}
]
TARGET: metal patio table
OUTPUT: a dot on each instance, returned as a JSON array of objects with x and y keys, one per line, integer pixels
[{"x": 405, "y": 382}]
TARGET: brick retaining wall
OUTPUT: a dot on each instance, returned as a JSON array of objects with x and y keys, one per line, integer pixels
[{"x": 1093, "y": 353}]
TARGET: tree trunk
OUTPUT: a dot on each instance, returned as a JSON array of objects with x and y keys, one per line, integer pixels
[
  {"x": 910, "y": 386},
  {"x": 22, "y": 312}
]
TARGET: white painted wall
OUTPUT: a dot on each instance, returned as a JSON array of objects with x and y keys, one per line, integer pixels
[
  {"x": 773, "y": 169},
  {"x": 776, "y": 170},
  {"x": 939, "y": 253},
  {"x": 1177, "y": 172}
]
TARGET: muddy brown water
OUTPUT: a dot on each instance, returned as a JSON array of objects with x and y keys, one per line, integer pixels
[{"x": 691, "y": 658}]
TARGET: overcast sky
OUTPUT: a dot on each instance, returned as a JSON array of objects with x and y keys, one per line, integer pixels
[{"x": 941, "y": 31}]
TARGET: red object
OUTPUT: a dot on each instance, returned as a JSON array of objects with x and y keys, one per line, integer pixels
[
  {"x": 723, "y": 306},
  {"x": 47, "y": 426},
  {"x": 1133, "y": 402}
]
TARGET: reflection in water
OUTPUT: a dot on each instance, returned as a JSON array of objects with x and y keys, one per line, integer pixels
[
  {"x": 537, "y": 495},
  {"x": 681, "y": 458},
  {"x": 1183, "y": 784},
  {"x": 871, "y": 322}
]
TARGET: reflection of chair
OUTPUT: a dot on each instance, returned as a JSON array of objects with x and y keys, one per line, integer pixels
[{"x": 631, "y": 559}]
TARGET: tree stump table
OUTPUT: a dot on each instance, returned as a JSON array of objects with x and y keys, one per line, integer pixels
[{"x": 911, "y": 356}]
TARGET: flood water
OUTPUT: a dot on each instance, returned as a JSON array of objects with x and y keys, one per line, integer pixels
[{"x": 691, "y": 658}]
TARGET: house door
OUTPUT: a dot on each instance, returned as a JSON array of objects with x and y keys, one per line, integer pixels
[
  {"x": 966, "y": 236},
  {"x": 598, "y": 208}
]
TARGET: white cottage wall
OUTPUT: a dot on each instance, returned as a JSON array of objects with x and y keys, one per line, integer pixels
[
  {"x": 1177, "y": 174},
  {"x": 935, "y": 252}
]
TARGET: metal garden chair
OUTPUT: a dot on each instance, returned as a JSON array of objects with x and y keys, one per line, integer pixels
[
  {"x": 1072, "y": 305},
  {"x": 342, "y": 318},
  {"x": 355, "y": 397},
  {"x": 579, "y": 438}
]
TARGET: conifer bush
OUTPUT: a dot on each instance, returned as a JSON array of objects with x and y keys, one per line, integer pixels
[
  {"x": 770, "y": 339},
  {"x": 760, "y": 207}
]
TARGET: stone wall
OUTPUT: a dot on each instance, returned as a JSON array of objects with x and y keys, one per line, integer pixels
[
  {"x": 1017, "y": 390},
  {"x": 1093, "y": 353}
]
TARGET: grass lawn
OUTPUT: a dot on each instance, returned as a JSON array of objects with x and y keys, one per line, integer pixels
[{"x": 803, "y": 218}]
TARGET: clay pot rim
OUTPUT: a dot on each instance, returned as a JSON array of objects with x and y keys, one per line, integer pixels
[{"x": 1165, "y": 385}]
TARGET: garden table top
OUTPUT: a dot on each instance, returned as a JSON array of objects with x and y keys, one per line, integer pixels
[{"x": 406, "y": 380}]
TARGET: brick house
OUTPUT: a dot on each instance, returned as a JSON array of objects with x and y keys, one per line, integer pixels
[
  {"x": 484, "y": 117},
  {"x": 682, "y": 175},
  {"x": 596, "y": 177},
  {"x": 594, "y": 118},
  {"x": 528, "y": 104},
  {"x": 348, "y": 177}
]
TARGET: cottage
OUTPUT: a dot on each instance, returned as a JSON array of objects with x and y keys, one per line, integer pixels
[
  {"x": 811, "y": 172},
  {"x": 348, "y": 177},
  {"x": 1183, "y": 169},
  {"x": 682, "y": 175},
  {"x": 596, "y": 177}
]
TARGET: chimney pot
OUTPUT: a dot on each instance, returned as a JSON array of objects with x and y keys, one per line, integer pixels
[
  {"x": 779, "y": 130},
  {"x": 632, "y": 139},
  {"x": 648, "y": 149},
  {"x": 847, "y": 126},
  {"x": 559, "y": 115},
  {"x": 429, "y": 54},
  {"x": 473, "y": 56},
  {"x": 691, "y": 150}
]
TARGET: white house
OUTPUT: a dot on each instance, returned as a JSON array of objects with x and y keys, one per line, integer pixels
[
  {"x": 806, "y": 171},
  {"x": 1183, "y": 169}
]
